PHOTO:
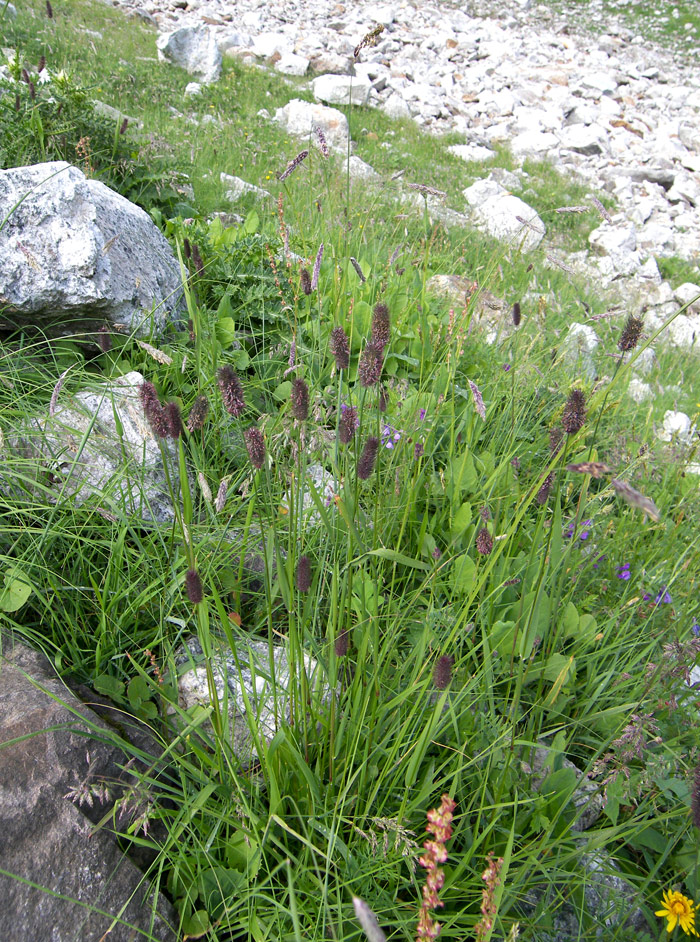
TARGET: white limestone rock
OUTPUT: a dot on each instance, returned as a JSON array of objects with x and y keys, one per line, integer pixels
[
  {"x": 292, "y": 64},
  {"x": 99, "y": 444},
  {"x": 688, "y": 293},
  {"x": 194, "y": 49},
  {"x": 359, "y": 170},
  {"x": 74, "y": 252},
  {"x": 193, "y": 90},
  {"x": 249, "y": 675},
  {"x": 473, "y": 153},
  {"x": 267, "y": 45},
  {"x": 676, "y": 427},
  {"x": 504, "y": 216},
  {"x": 395, "y": 107},
  {"x": 578, "y": 349},
  {"x": 341, "y": 89},
  {"x": 301, "y": 117},
  {"x": 639, "y": 391},
  {"x": 238, "y": 187}
]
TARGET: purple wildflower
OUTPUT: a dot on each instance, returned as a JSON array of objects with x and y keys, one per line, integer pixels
[
  {"x": 663, "y": 597},
  {"x": 623, "y": 571},
  {"x": 390, "y": 437},
  {"x": 695, "y": 628}
]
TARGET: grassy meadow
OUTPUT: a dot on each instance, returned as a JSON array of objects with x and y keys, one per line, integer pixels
[{"x": 508, "y": 558}]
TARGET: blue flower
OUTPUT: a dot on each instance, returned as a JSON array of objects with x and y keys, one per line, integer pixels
[
  {"x": 390, "y": 436},
  {"x": 663, "y": 597},
  {"x": 623, "y": 571},
  {"x": 583, "y": 535},
  {"x": 695, "y": 628}
]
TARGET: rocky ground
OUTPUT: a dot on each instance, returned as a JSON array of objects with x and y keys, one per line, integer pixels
[{"x": 612, "y": 108}]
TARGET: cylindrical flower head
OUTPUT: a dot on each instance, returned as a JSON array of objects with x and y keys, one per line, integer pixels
[
  {"x": 544, "y": 490},
  {"x": 305, "y": 281},
  {"x": 484, "y": 542},
  {"x": 347, "y": 424},
  {"x": 631, "y": 332},
  {"x": 231, "y": 391},
  {"x": 442, "y": 673},
  {"x": 255, "y": 443},
  {"x": 342, "y": 644},
  {"x": 153, "y": 410},
  {"x": 381, "y": 326},
  {"x": 574, "y": 414},
  {"x": 365, "y": 465},
  {"x": 369, "y": 369},
  {"x": 340, "y": 348},
  {"x": 198, "y": 413},
  {"x": 300, "y": 399},
  {"x": 172, "y": 412},
  {"x": 383, "y": 400},
  {"x": 193, "y": 586},
  {"x": 303, "y": 574},
  {"x": 516, "y": 314}
]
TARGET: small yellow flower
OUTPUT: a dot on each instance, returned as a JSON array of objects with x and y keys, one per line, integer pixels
[{"x": 678, "y": 909}]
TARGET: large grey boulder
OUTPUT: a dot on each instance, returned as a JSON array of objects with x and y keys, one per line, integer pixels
[
  {"x": 74, "y": 254},
  {"x": 88, "y": 454},
  {"x": 70, "y": 882},
  {"x": 301, "y": 117},
  {"x": 194, "y": 49}
]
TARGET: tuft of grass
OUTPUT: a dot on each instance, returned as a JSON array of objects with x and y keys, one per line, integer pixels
[{"x": 471, "y": 586}]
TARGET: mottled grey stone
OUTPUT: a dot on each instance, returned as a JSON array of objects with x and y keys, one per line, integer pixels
[
  {"x": 70, "y": 883},
  {"x": 74, "y": 254}
]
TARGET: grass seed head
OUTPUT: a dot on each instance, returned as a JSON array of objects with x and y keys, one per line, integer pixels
[
  {"x": 574, "y": 414},
  {"x": 365, "y": 465}
]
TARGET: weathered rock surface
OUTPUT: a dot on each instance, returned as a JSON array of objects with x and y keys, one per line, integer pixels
[
  {"x": 74, "y": 254},
  {"x": 194, "y": 49},
  {"x": 70, "y": 883},
  {"x": 247, "y": 674},
  {"x": 300, "y": 118},
  {"x": 504, "y": 216},
  {"x": 88, "y": 456}
]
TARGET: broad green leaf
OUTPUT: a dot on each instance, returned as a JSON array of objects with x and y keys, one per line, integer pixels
[
  {"x": 197, "y": 925},
  {"x": 16, "y": 590},
  {"x": 226, "y": 331},
  {"x": 463, "y": 574},
  {"x": 569, "y": 620},
  {"x": 461, "y": 519},
  {"x": 109, "y": 686},
  {"x": 284, "y": 390}
]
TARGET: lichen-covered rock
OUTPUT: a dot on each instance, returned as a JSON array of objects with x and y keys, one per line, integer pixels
[
  {"x": 97, "y": 444},
  {"x": 74, "y": 254},
  {"x": 248, "y": 673}
]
